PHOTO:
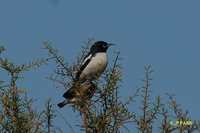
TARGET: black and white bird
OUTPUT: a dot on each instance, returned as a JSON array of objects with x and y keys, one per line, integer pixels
[{"x": 92, "y": 67}]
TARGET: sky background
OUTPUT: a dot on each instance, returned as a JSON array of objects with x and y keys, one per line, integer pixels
[{"x": 162, "y": 33}]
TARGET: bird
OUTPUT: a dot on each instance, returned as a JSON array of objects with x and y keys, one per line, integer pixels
[{"x": 93, "y": 65}]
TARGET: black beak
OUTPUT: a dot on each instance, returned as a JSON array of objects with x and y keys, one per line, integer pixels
[{"x": 111, "y": 44}]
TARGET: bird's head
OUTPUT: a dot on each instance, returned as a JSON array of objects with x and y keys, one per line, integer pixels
[{"x": 100, "y": 46}]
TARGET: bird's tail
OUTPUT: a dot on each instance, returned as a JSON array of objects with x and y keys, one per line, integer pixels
[
  {"x": 60, "y": 105},
  {"x": 85, "y": 91},
  {"x": 69, "y": 94},
  {"x": 66, "y": 101}
]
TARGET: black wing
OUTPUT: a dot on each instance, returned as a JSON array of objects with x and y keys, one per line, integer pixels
[
  {"x": 69, "y": 94},
  {"x": 86, "y": 61}
]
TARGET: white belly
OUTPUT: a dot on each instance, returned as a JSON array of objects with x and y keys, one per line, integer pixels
[{"x": 96, "y": 67}]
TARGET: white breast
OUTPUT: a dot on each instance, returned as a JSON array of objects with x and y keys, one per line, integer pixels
[{"x": 96, "y": 66}]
